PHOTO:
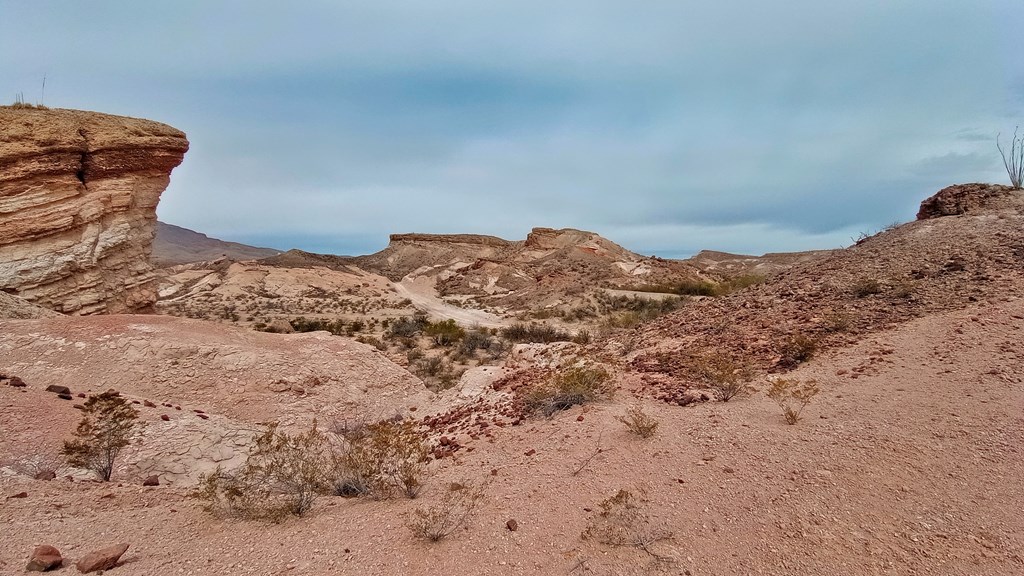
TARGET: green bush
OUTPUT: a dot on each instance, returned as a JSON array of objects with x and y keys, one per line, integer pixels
[{"x": 444, "y": 333}]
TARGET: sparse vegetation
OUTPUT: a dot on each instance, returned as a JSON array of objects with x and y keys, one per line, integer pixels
[
  {"x": 283, "y": 475},
  {"x": 534, "y": 333},
  {"x": 866, "y": 287},
  {"x": 703, "y": 287},
  {"x": 106, "y": 428},
  {"x": 792, "y": 396},
  {"x": 577, "y": 385},
  {"x": 453, "y": 512},
  {"x": 624, "y": 520},
  {"x": 838, "y": 321},
  {"x": 444, "y": 333},
  {"x": 723, "y": 374},
  {"x": 1013, "y": 159},
  {"x": 639, "y": 422},
  {"x": 798, "y": 349},
  {"x": 381, "y": 458}
]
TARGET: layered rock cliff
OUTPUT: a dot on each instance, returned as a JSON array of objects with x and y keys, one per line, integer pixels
[{"x": 78, "y": 197}]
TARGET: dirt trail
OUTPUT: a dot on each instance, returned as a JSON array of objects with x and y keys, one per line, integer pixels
[{"x": 423, "y": 297}]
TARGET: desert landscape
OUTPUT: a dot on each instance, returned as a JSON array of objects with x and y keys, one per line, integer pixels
[{"x": 558, "y": 405}]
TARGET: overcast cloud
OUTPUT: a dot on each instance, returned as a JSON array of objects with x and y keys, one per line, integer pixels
[{"x": 667, "y": 126}]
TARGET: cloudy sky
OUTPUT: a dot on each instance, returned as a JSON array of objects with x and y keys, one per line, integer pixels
[{"x": 667, "y": 126}]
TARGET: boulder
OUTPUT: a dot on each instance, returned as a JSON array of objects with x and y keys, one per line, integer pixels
[
  {"x": 103, "y": 559},
  {"x": 153, "y": 480},
  {"x": 58, "y": 389},
  {"x": 44, "y": 557}
]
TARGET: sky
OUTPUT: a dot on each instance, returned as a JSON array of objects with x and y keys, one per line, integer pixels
[{"x": 666, "y": 126}]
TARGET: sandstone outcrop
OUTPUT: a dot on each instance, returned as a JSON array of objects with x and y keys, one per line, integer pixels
[
  {"x": 966, "y": 198},
  {"x": 78, "y": 197}
]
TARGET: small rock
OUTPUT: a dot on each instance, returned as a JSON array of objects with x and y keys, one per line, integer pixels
[
  {"x": 203, "y": 416},
  {"x": 103, "y": 559},
  {"x": 44, "y": 557},
  {"x": 153, "y": 480},
  {"x": 148, "y": 404},
  {"x": 512, "y": 525},
  {"x": 165, "y": 417},
  {"x": 531, "y": 452},
  {"x": 18, "y": 495},
  {"x": 64, "y": 396},
  {"x": 16, "y": 382},
  {"x": 58, "y": 389},
  {"x": 45, "y": 475},
  {"x": 728, "y": 469},
  {"x": 579, "y": 418}
]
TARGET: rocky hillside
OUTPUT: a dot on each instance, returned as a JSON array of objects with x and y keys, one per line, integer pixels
[
  {"x": 966, "y": 247},
  {"x": 78, "y": 196},
  {"x": 174, "y": 245}
]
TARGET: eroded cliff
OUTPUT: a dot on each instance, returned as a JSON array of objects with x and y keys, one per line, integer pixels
[{"x": 78, "y": 197}]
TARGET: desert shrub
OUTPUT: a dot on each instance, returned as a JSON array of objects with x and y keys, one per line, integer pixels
[
  {"x": 696, "y": 288},
  {"x": 282, "y": 475},
  {"x": 904, "y": 289},
  {"x": 375, "y": 342},
  {"x": 407, "y": 327},
  {"x": 106, "y": 428},
  {"x": 303, "y": 324},
  {"x": 866, "y": 287},
  {"x": 382, "y": 458},
  {"x": 450, "y": 514},
  {"x": 582, "y": 337},
  {"x": 793, "y": 396},
  {"x": 534, "y": 333},
  {"x": 838, "y": 321},
  {"x": 497, "y": 349},
  {"x": 413, "y": 355},
  {"x": 798, "y": 349},
  {"x": 474, "y": 340},
  {"x": 624, "y": 520},
  {"x": 639, "y": 422},
  {"x": 432, "y": 366},
  {"x": 577, "y": 385},
  {"x": 723, "y": 374}
]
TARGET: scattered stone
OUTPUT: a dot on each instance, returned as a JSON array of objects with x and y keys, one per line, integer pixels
[
  {"x": 103, "y": 559},
  {"x": 18, "y": 495},
  {"x": 728, "y": 470},
  {"x": 16, "y": 382},
  {"x": 512, "y": 525},
  {"x": 148, "y": 404},
  {"x": 579, "y": 418},
  {"x": 203, "y": 416},
  {"x": 531, "y": 452},
  {"x": 165, "y": 417},
  {"x": 64, "y": 396},
  {"x": 153, "y": 480},
  {"x": 81, "y": 395},
  {"x": 45, "y": 475},
  {"x": 44, "y": 557},
  {"x": 58, "y": 389}
]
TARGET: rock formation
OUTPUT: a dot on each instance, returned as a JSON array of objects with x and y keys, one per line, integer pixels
[
  {"x": 966, "y": 198},
  {"x": 78, "y": 196}
]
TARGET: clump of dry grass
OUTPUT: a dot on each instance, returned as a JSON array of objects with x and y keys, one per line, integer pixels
[
  {"x": 793, "y": 396},
  {"x": 639, "y": 422},
  {"x": 624, "y": 520},
  {"x": 725, "y": 375},
  {"x": 577, "y": 385},
  {"x": 451, "y": 513}
]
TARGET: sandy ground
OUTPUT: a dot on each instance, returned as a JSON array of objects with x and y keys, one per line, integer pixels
[
  {"x": 909, "y": 462},
  {"x": 424, "y": 298}
]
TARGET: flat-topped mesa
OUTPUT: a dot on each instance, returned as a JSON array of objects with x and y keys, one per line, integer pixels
[
  {"x": 475, "y": 239},
  {"x": 78, "y": 197}
]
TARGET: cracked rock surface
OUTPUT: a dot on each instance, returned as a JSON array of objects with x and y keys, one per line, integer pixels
[{"x": 78, "y": 197}]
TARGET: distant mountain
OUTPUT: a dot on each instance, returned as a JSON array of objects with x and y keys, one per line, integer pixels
[{"x": 176, "y": 245}]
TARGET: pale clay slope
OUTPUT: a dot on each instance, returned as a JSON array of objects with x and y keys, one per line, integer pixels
[{"x": 911, "y": 467}]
